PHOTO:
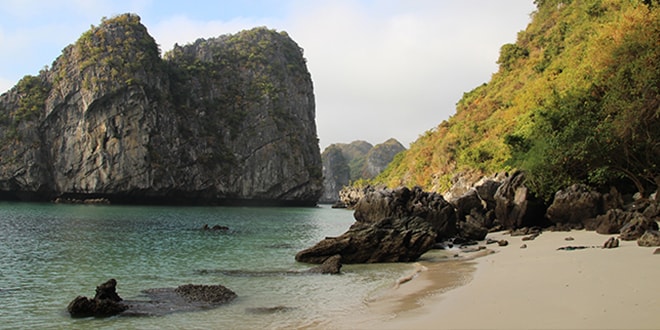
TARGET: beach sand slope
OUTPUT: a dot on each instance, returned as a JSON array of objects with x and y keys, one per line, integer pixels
[{"x": 541, "y": 287}]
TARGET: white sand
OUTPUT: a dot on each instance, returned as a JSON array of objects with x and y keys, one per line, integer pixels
[{"x": 541, "y": 287}]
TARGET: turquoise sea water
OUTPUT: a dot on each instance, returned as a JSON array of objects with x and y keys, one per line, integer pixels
[{"x": 52, "y": 253}]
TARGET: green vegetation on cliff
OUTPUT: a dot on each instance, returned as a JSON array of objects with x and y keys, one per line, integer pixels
[
  {"x": 576, "y": 99},
  {"x": 222, "y": 120}
]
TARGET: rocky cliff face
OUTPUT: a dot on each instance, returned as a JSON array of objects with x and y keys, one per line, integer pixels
[
  {"x": 229, "y": 119},
  {"x": 343, "y": 163}
]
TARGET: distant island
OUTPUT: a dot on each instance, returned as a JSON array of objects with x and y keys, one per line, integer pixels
[
  {"x": 348, "y": 163},
  {"x": 226, "y": 120}
]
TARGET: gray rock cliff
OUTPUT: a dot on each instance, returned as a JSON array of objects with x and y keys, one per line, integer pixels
[
  {"x": 344, "y": 163},
  {"x": 224, "y": 120}
]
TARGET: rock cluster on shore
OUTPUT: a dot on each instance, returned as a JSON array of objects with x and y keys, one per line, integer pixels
[
  {"x": 402, "y": 224},
  {"x": 391, "y": 226}
]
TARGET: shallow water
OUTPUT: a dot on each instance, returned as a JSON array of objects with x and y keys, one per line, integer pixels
[{"x": 53, "y": 253}]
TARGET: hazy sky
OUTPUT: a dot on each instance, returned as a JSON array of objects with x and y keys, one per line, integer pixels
[{"x": 380, "y": 69}]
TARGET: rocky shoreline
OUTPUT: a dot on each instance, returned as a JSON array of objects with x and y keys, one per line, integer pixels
[{"x": 399, "y": 225}]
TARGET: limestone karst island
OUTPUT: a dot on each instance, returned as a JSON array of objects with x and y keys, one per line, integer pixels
[
  {"x": 224, "y": 120},
  {"x": 534, "y": 206}
]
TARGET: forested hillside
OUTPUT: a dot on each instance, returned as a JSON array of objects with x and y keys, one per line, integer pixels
[{"x": 575, "y": 99}]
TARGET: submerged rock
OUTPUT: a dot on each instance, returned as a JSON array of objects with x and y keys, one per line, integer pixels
[{"x": 185, "y": 298}]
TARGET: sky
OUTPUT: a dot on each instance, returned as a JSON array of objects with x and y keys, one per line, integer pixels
[{"x": 381, "y": 69}]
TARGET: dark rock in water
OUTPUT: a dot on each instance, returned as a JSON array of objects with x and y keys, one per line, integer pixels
[
  {"x": 637, "y": 227},
  {"x": 185, "y": 298},
  {"x": 611, "y": 243},
  {"x": 84, "y": 307},
  {"x": 391, "y": 226},
  {"x": 516, "y": 206},
  {"x": 105, "y": 303},
  {"x": 650, "y": 238},
  {"x": 215, "y": 228},
  {"x": 524, "y": 246},
  {"x": 331, "y": 265},
  {"x": 490, "y": 241},
  {"x": 212, "y": 294},
  {"x": 108, "y": 290},
  {"x": 657, "y": 251},
  {"x": 502, "y": 242},
  {"x": 569, "y": 238},
  {"x": 575, "y": 204}
]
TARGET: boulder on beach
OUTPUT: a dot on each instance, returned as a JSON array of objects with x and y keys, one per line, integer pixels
[
  {"x": 650, "y": 238},
  {"x": 391, "y": 226},
  {"x": 610, "y": 222},
  {"x": 636, "y": 227},
  {"x": 575, "y": 204}
]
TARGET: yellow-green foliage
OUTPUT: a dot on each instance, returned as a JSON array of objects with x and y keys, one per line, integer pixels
[
  {"x": 576, "y": 99},
  {"x": 32, "y": 92}
]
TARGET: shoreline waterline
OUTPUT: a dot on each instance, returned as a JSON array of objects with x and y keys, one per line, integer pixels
[{"x": 55, "y": 252}]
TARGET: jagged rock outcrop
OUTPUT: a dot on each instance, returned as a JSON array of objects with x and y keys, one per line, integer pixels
[
  {"x": 346, "y": 163},
  {"x": 391, "y": 226},
  {"x": 575, "y": 204},
  {"x": 221, "y": 120},
  {"x": 516, "y": 206},
  {"x": 636, "y": 227}
]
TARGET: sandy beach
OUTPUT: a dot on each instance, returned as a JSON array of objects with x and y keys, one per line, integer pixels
[{"x": 537, "y": 287}]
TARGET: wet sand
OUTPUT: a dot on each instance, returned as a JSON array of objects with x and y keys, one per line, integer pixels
[{"x": 538, "y": 287}]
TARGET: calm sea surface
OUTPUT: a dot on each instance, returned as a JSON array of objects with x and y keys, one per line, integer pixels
[{"x": 52, "y": 253}]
